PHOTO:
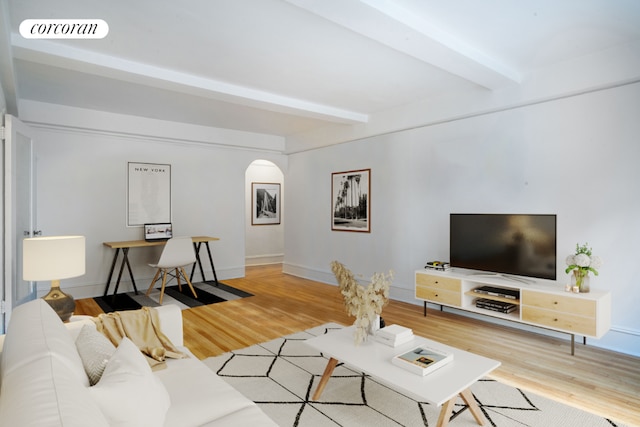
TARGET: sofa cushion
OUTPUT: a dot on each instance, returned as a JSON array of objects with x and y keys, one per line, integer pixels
[
  {"x": 46, "y": 392},
  {"x": 128, "y": 393},
  {"x": 95, "y": 351},
  {"x": 35, "y": 331},
  {"x": 207, "y": 398}
]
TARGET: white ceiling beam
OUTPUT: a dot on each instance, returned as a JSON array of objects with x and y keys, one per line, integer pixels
[
  {"x": 63, "y": 56},
  {"x": 388, "y": 23}
]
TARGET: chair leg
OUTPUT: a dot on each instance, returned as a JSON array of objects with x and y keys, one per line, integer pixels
[
  {"x": 164, "y": 282},
  {"x": 188, "y": 282},
  {"x": 153, "y": 282},
  {"x": 178, "y": 279}
]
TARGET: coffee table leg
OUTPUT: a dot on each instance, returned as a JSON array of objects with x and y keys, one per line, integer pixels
[
  {"x": 447, "y": 409},
  {"x": 445, "y": 412},
  {"x": 325, "y": 377},
  {"x": 473, "y": 406}
]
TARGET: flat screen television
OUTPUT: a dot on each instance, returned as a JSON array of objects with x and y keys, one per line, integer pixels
[{"x": 511, "y": 244}]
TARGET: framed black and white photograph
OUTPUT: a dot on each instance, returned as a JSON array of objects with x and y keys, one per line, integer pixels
[
  {"x": 350, "y": 201},
  {"x": 265, "y": 203},
  {"x": 148, "y": 193}
]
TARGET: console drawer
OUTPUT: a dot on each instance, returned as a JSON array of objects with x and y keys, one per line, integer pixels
[
  {"x": 559, "y": 303},
  {"x": 438, "y": 295},
  {"x": 439, "y": 282},
  {"x": 557, "y": 320}
]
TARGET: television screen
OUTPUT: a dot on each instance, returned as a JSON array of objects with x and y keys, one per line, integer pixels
[{"x": 517, "y": 244}]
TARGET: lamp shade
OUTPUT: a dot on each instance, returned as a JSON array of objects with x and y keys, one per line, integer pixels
[{"x": 53, "y": 257}]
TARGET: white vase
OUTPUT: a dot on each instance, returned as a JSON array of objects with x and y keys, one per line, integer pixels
[{"x": 375, "y": 325}]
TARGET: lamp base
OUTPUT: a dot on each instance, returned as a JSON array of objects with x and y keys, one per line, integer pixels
[{"x": 63, "y": 304}]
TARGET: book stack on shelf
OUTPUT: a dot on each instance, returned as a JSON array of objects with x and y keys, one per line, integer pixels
[
  {"x": 394, "y": 335},
  {"x": 437, "y": 265},
  {"x": 422, "y": 360},
  {"x": 499, "y": 306}
]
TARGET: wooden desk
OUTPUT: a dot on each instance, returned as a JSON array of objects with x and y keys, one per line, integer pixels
[{"x": 128, "y": 244}]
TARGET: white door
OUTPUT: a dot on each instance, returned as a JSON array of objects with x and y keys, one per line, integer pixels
[{"x": 18, "y": 213}]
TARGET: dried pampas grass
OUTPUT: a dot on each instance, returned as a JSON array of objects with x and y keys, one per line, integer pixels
[{"x": 365, "y": 303}]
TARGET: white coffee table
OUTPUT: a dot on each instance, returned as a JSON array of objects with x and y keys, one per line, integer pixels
[{"x": 440, "y": 388}]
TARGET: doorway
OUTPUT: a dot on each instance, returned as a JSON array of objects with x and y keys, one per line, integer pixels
[
  {"x": 264, "y": 242},
  {"x": 19, "y": 214}
]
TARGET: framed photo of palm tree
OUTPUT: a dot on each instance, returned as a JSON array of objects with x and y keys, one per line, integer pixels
[
  {"x": 351, "y": 201},
  {"x": 265, "y": 203}
]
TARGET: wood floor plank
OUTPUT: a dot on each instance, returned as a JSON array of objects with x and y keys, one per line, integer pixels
[{"x": 596, "y": 380}]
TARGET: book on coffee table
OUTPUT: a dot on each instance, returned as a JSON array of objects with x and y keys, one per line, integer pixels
[
  {"x": 422, "y": 360},
  {"x": 394, "y": 335}
]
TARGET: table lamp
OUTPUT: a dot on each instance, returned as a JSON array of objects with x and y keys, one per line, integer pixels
[{"x": 54, "y": 258}]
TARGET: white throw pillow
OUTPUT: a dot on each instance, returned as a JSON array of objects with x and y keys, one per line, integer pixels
[
  {"x": 128, "y": 393},
  {"x": 95, "y": 351}
]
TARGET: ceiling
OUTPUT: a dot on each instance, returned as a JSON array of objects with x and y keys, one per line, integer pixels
[{"x": 290, "y": 67}]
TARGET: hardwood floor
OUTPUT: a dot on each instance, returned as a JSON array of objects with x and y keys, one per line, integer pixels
[{"x": 596, "y": 380}]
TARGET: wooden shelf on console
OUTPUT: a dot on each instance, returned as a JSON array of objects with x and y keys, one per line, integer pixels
[{"x": 492, "y": 297}]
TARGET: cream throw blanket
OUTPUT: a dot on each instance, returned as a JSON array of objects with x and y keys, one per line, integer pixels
[{"x": 143, "y": 328}]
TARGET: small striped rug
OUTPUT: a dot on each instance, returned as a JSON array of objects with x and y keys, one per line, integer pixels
[{"x": 208, "y": 293}]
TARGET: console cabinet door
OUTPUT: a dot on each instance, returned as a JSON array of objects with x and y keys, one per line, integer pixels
[
  {"x": 566, "y": 313},
  {"x": 441, "y": 290}
]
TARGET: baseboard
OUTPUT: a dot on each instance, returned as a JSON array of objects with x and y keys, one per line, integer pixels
[
  {"x": 264, "y": 259},
  {"x": 622, "y": 340},
  {"x": 322, "y": 276}
]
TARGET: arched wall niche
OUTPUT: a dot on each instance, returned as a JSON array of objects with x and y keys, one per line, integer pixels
[{"x": 264, "y": 243}]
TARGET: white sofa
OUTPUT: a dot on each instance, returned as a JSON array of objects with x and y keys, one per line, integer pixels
[{"x": 44, "y": 383}]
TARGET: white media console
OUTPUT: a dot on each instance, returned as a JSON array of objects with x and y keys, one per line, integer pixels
[{"x": 541, "y": 303}]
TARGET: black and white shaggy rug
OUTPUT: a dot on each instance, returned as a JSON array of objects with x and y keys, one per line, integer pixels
[{"x": 281, "y": 375}]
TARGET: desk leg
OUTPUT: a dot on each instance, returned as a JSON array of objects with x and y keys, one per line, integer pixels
[
  {"x": 113, "y": 266},
  {"x": 447, "y": 409},
  {"x": 213, "y": 268},
  {"x": 197, "y": 246},
  {"x": 125, "y": 261},
  {"x": 325, "y": 378},
  {"x": 200, "y": 261},
  {"x": 124, "y": 254},
  {"x": 133, "y": 282}
]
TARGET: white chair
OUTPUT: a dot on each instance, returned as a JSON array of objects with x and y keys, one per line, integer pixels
[{"x": 177, "y": 253}]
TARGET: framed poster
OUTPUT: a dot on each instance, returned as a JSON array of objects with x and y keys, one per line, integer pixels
[
  {"x": 148, "y": 193},
  {"x": 350, "y": 201},
  {"x": 265, "y": 203}
]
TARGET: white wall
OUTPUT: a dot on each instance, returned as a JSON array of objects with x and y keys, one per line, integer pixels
[
  {"x": 3, "y": 101},
  {"x": 2, "y": 207},
  {"x": 575, "y": 157},
  {"x": 264, "y": 243},
  {"x": 81, "y": 189}
]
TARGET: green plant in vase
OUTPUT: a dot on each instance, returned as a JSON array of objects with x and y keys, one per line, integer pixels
[{"x": 581, "y": 263}]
